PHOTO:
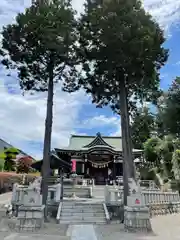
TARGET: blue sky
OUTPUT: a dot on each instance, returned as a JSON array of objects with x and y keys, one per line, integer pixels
[
  {"x": 172, "y": 68},
  {"x": 22, "y": 117}
]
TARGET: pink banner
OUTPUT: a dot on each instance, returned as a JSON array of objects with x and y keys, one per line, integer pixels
[{"x": 73, "y": 165}]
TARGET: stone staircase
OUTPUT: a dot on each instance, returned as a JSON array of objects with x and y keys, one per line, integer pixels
[{"x": 74, "y": 212}]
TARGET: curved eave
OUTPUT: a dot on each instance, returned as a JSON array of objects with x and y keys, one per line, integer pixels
[
  {"x": 96, "y": 148},
  {"x": 55, "y": 162}
]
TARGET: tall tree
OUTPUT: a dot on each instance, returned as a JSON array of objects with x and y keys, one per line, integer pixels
[
  {"x": 171, "y": 109},
  {"x": 142, "y": 127},
  {"x": 40, "y": 46},
  {"x": 120, "y": 47}
]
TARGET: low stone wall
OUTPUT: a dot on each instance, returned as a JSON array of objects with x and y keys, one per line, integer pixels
[
  {"x": 115, "y": 195},
  {"x": 164, "y": 208},
  {"x": 54, "y": 193},
  {"x": 149, "y": 197}
]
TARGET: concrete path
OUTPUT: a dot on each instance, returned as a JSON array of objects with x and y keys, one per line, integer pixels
[
  {"x": 164, "y": 228},
  {"x": 5, "y": 198},
  {"x": 82, "y": 232}
]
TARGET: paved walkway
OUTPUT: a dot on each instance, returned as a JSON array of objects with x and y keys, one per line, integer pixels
[
  {"x": 82, "y": 232},
  {"x": 5, "y": 198},
  {"x": 165, "y": 227}
]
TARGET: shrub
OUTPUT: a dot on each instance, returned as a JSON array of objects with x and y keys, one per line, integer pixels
[
  {"x": 7, "y": 179},
  {"x": 24, "y": 164}
]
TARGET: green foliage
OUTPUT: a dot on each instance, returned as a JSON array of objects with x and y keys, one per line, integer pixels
[
  {"x": 176, "y": 164},
  {"x": 40, "y": 46},
  {"x": 119, "y": 42},
  {"x": 40, "y": 39},
  {"x": 142, "y": 127},
  {"x": 7, "y": 159},
  {"x": 24, "y": 164},
  {"x": 171, "y": 110},
  {"x": 165, "y": 150},
  {"x": 150, "y": 150},
  {"x": 1, "y": 164}
]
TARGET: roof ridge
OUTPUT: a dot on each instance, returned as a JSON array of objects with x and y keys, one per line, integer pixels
[
  {"x": 98, "y": 140},
  {"x": 88, "y": 136}
]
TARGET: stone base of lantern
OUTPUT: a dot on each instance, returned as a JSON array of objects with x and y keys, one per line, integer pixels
[
  {"x": 30, "y": 218},
  {"x": 137, "y": 219}
]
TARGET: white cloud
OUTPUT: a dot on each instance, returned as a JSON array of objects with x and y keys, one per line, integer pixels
[
  {"x": 166, "y": 12},
  {"x": 101, "y": 121},
  {"x": 22, "y": 118},
  {"x": 177, "y": 63}
]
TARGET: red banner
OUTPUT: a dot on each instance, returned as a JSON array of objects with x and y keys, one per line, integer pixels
[{"x": 73, "y": 165}]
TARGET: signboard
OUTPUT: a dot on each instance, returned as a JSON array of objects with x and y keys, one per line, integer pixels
[
  {"x": 73, "y": 166},
  {"x": 137, "y": 201}
]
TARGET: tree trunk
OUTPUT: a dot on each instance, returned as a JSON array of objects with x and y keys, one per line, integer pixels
[
  {"x": 47, "y": 138},
  {"x": 128, "y": 163}
]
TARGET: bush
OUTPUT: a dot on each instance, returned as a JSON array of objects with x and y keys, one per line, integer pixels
[
  {"x": 7, "y": 179},
  {"x": 24, "y": 164},
  {"x": 175, "y": 185}
]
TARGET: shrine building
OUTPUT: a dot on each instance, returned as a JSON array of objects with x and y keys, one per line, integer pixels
[{"x": 97, "y": 157}]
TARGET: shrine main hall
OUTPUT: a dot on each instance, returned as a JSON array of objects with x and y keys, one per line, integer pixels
[{"x": 97, "y": 157}]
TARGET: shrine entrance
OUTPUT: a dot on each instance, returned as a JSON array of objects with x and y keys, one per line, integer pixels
[{"x": 100, "y": 168}]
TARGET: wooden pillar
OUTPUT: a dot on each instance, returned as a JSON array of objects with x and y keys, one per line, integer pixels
[
  {"x": 85, "y": 164},
  {"x": 82, "y": 168},
  {"x": 114, "y": 168}
]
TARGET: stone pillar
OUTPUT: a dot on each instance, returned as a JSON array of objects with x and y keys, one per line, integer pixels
[
  {"x": 136, "y": 214},
  {"x": 30, "y": 218},
  {"x": 137, "y": 219}
]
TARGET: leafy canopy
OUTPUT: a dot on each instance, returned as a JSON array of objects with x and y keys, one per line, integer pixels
[
  {"x": 171, "y": 110},
  {"x": 44, "y": 32},
  {"x": 142, "y": 127},
  {"x": 119, "y": 41},
  {"x": 150, "y": 150}
]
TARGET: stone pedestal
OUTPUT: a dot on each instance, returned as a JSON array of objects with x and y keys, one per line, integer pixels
[
  {"x": 136, "y": 214},
  {"x": 29, "y": 219},
  {"x": 137, "y": 219}
]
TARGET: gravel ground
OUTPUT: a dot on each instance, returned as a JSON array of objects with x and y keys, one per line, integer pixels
[{"x": 164, "y": 228}]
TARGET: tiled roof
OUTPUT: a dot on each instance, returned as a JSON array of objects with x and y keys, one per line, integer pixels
[{"x": 83, "y": 142}]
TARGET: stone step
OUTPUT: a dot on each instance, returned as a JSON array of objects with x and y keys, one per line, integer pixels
[
  {"x": 83, "y": 218},
  {"x": 82, "y": 207},
  {"x": 67, "y": 203},
  {"x": 101, "y": 210},
  {"x": 82, "y": 214},
  {"x": 76, "y": 222}
]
